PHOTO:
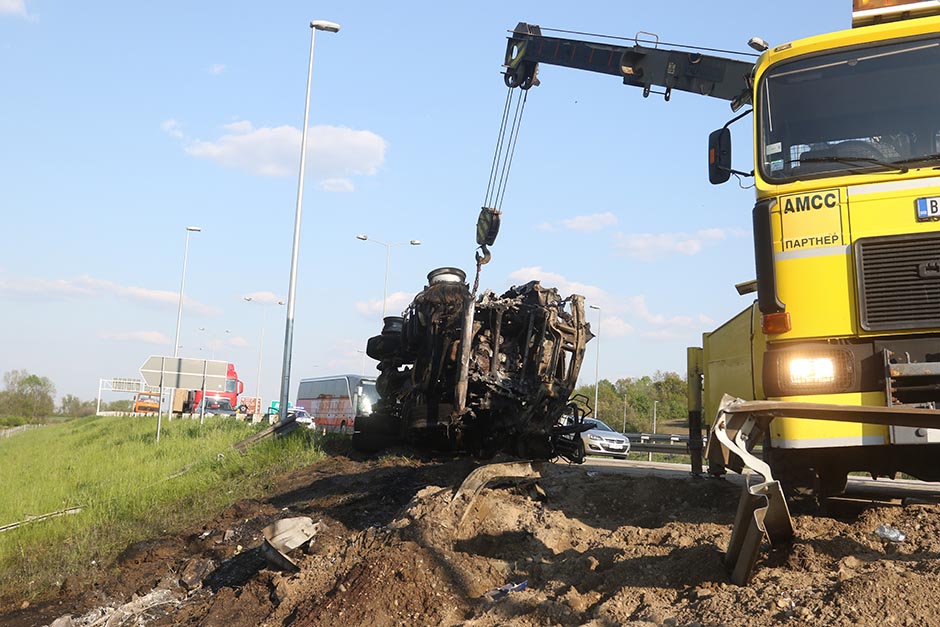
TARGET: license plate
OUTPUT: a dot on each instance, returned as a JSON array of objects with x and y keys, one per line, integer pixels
[
  {"x": 928, "y": 209},
  {"x": 615, "y": 445}
]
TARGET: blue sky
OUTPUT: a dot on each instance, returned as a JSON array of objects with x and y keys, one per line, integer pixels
[{"x": 123, "y": 123}]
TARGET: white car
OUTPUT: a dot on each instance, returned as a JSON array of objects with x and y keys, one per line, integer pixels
[{"x": 602, "y": 440}]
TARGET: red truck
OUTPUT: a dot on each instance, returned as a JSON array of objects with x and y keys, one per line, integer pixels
[{"x": 191, "y": 401}]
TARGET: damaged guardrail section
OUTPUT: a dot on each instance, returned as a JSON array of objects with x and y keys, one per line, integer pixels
[{"x": 762, "y": 511}]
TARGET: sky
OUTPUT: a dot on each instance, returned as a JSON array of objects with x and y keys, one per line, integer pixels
[{"x": 123, "y": 123}]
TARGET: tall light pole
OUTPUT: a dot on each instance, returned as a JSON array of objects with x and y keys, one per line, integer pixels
[
  {"x": 653, "y": 439},
  {"x": 179, "y": 310},
  {"x": 624, "y": 429},
  {"x": 597, "y": 362},
  {"x": 388, "y": 250},
  {"x": 264, "y": 310},
  {"x": 329, "y": 27},
  {"x": 212, "y": 340}
]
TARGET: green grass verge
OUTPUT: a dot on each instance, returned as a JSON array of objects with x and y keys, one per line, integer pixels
[{"x": 129, "y": 487}]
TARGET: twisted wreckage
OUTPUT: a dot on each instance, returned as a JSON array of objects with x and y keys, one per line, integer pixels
[{"x": 483, "y": 375}]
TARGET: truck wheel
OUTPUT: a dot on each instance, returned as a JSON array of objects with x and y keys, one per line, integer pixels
[{"x": 243, "y": 409}]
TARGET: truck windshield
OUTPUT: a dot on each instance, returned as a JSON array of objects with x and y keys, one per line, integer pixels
[{"x": 862, "y": 110}]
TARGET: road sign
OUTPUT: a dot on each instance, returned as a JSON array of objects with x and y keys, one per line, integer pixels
[{"x": 185, "y": 374}]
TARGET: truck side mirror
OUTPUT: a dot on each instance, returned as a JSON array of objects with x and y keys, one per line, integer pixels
[
  {"x": 241, "y": 387},
  {"x": 719, "y": 156}
]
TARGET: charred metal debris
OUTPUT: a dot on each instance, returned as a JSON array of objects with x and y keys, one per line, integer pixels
[{"x": 482, "y": 375}]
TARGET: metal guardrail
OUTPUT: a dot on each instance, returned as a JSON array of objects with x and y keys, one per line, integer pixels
[{"x": 667, "y": 443}]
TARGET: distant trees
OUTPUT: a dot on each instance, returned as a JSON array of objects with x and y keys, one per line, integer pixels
[
  {"x": 75, "y": 407},
  {"x": 27, "y": 396},
  {"x": 628, "y": 403}
]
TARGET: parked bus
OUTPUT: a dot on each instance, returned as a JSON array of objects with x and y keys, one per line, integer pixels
[{"x": 335, "y": 402}]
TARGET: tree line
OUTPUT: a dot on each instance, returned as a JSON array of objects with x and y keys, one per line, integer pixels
[
  {"x": 31, "y": 398},
  {"x": 627, "y": 404}
]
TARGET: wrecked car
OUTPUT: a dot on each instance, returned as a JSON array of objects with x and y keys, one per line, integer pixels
[{"x": 482, "y": 375}]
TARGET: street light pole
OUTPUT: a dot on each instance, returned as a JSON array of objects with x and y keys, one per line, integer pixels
[
  {"x": 329, "y": 27},
  {"x": 597, "y": 362},
  {"x": 179, "y": 310},
  {"x": 650, "y": 457},
  {"x": 388, "y": 251},
  {"x": 624, "y": 429},
  {"x": 264, "y": 310}
]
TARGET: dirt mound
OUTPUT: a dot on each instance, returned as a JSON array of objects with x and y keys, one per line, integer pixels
[{"x": 591, "y": 549}]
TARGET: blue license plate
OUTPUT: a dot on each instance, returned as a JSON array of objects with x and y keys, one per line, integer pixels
[{"x": 928, "y": 209}]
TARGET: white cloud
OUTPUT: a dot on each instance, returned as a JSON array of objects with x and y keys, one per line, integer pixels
[
  {"x": 13, "y": 7},
  {"x": 582, "y": 224},
  {"x": 238, "y": 342},
  {"x": 612, "y": 326},
  {"x": 216, "y": 68},
  {"x": 146, "y": 295},
  {"x": 591, "y": 223},
  {"x": 145, "y": 337},
  {"x": 265, "y": 298},
  {"x": 395, "y": 304},
  {"x": 334, "y": 153},
  {"x": 86, "y": 286},
  {"x": 42, "y": 287},
  {"x": 172, "y": 128},
  {"x": 652, "y": 246}
]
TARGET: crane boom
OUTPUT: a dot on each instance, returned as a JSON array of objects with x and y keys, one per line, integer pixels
[{"x": 638, "y": 65}]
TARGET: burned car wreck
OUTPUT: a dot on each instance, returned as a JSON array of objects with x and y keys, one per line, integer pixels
[{"x": 481, "y": 375}]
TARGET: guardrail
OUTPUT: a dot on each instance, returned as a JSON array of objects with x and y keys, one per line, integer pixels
[{"x": 667, "y": 443}]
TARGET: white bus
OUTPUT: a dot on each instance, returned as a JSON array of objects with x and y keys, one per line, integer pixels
[{"x": 334, "y": 402}]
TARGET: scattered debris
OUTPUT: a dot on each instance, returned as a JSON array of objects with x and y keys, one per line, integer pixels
[
  {"x": 194, "y": 571},
  {"x": 503, "y": 591},
  {"x": 284, "y": 536},
  {"x": 30, "y": 519},
  {"x": 890, "y": 533}
]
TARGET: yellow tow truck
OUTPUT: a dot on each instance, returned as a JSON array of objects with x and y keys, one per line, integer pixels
[{"x": 835, "y": 367}]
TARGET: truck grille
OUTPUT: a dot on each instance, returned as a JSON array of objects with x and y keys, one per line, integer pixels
[{"x": 899, "y": 281}]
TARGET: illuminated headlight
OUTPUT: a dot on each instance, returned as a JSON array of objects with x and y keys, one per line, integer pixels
[
  {"x": 794, "y": 372},
  {"x": 812, "y": 371},
  {"x": 597, "y": 438}
]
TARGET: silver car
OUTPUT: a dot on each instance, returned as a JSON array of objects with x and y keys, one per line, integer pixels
[{"x": 602, "y": 440}]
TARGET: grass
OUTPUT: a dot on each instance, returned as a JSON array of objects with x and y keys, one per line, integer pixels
[{"x": 129, "y": 487}]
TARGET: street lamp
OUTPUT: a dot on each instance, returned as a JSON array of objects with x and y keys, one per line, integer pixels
[
  {"x": 388, "y": 249},
  {"x": 179, "y": 310},
  {"x": 213, "y": 341},
  {"x": 329, "y": 27},
  {"x": 597, "y": 361},
  {"x": 264, "y": 310},
  {"x": 655, "y": 403}
]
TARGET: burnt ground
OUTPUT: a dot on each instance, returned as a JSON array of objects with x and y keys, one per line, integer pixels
[{"x": 594, "y": 549}]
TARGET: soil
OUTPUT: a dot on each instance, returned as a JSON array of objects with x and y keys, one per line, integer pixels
[{"x": 593, "y": 549}]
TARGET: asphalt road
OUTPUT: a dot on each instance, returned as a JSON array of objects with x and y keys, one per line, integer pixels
[{"x": 863, "y": 488}]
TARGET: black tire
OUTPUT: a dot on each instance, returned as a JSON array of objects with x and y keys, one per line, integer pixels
[{"x": 243, "y": 409}]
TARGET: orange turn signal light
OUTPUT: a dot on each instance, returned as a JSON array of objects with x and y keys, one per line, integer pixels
[{"x": 775, "y": 322}]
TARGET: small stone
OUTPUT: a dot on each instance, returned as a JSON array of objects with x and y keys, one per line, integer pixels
[
  {"x": 63, "y": 621},
  {"x": 228, "y": 535},
  {"x": 669, "y": 622},
  {"x": 24, "y": 605}
]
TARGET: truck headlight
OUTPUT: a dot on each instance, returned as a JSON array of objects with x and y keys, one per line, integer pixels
[
  {"x": 804, "y": 370},
  {"x": 812, "y": 371}
]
